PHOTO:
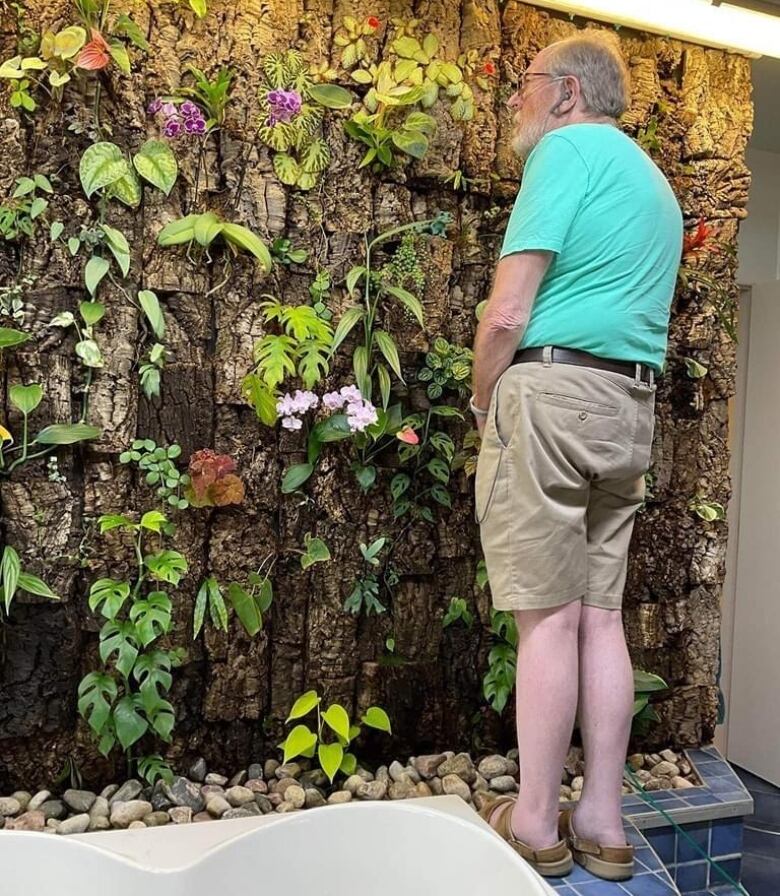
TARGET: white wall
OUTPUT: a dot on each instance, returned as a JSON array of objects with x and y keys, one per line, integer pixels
[{"x": 759, "y": 233}]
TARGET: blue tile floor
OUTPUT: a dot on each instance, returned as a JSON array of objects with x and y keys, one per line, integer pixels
[{"x": 761, "y": 840}]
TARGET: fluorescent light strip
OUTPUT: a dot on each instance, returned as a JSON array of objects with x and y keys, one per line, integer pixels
[{"x": 726, "y": 27}]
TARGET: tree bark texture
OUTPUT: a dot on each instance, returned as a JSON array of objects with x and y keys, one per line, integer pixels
[{"x": 233, "y": 693}]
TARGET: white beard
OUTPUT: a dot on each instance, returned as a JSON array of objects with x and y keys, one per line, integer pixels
[{"x": 527, "y": 136}]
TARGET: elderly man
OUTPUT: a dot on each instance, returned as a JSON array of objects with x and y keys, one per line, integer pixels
[{"x": 565, "y": 358}]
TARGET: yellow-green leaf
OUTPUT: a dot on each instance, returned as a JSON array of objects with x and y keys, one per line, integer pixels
[
  {"x": 331, "y": 757},
  {"x": 376, "y": 717},
  {"x": 69, "y": 41},
  {"x": 305, "y": 703},
  {"x": 298, "y": 741},
  {"x": 335, "y": 716},
  {"x": 206, "y": 227},
  {"x": 245, "y": 239},
  {"x": 156, "y": 163},
  {"x": 388, "y": 348}
]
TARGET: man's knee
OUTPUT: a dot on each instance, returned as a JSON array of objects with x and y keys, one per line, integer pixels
[{"x": 563, "y": 617}]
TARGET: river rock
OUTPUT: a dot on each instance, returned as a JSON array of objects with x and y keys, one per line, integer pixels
[
  {"x": 23, "y": 797},
  {"x": 217, "y": 806},
  {"x": 130, "y": 790},
  {"x": 239, "y": 812},
  {"x": 201, "y": 816},
  {"x": 79, "y": 800},
  {"x": 669, "y": 756},
  {"x": 423, "y": 789},
  {"x": 99, "y": 823},
  {"x": 313, "y": 798},
  {"x": 238, "y": 779},
  {"x": 680, "y": 783},
  {"x": 269, "y": 768},
  {"x": 664, "y": 769},
  {"x": 122, "y": 813},
  {"x": 257, "y": 785},
  {"x": 198, "y": 770},
  {"x": 455, "y": 785},
  {"x": 352, "y": 783},
  {"x": 577, "y": 783},
  {"x": 460, "y": 765},
  {"x": 54, "y": 809},
  {"x": 255, "y": 770},
  {"x": 156, "y": 819},
  {"x": 492, "y": 767},
  {"x": 315, "y": 777},
  {"x": 99, "y": 808},
  {"x": 182, "y": 792},
  {"x": 340, "y": 796},
  {"x": 38, "y": 800},
  {"x": 481, "y": 784},
  {"x": 9, "y": 806},
  {"x": 289, "y": 770},
  {"x": 636, "y": 761},
  {"x": 371, "y": 790},
  {"x": 32, "y": 820},
  {"x": 503, "y": 784},
  {"x": 180, "y": 814},
  {"x": 77, "y": 824},
  {"x": 428, "y": 765},
  {"x": 435, "y": 785},
  {"x": 263, "y": 804},
  {"x": 239, "y": 795},
  {"x": 296, "y": 796},
  {"x": 213, "y": 778},
  {"x": 402, "y": 790}
]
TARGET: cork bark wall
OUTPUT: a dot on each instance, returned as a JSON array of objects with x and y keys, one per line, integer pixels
[{"x": 233, "y": 691}]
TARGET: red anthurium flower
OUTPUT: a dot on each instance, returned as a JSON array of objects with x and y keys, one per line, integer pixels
[
  {"x": 373, "y": 22},
  {"x": 489, "y": 68},
  {"x": 408, "y": 435},
  {"x": 696, "y": 238},
  {"x": 94, "y": 55}
]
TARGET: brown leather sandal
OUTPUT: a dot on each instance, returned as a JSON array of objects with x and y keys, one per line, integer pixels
[
  {"x": 607, "y": 862},
  {"x": 549, "y": 861}
]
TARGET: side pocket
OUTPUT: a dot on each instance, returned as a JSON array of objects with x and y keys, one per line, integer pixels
[{"x": 485, "y": 478}]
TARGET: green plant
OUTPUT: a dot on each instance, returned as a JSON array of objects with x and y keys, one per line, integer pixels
[
  {"x": 720, "y": 292},
  {"x": 26, "y": 399},
  {"x": 694, "y": 369},
  {"x": 87, "y": 349},
  {"x": 301, "y": 350},
  {"x": 12, "y": 304},
  {"x": 204, "y": 229},
  {"x": 199, "y": 7},
  {"x": 709, "y": 511},
  {"x": 151, "y": 369},
  {"x": 499, "y": 680},
  {"x": 214, "y": 95},
  {"x": 427, "y": 463},
  {"x": 365, "y": 592},
  {"x": 413, "y": 76},
  {"x": 294, "y": 131},
  {"x": 458, "y": 609},
  {"x": 127, "y": 698},
  {"x": 282, "y": 250},
  {"x": 319, "y": 290},
  {"x": 154, "y": 767},
  {"x": 18, "y": 215},
  {"x": 13, "y": 578},
  {"x": 157, "y": 464},
  {"x": 374, "y": 290},
  {"x": 105, "y": 170},
  {"x": 648, "y": 137},
  {"x": 334, "y": 721},
  {"x": 645, "y": 683},
  {"x": 447, "y": 366}
]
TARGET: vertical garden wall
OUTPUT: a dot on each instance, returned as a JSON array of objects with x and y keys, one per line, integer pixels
[{"x": 690, "y": 110}]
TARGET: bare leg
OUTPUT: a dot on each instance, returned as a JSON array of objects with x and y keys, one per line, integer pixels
[
  {"x": 546, "y": 694},
  {"x": 606, "y": 703}
]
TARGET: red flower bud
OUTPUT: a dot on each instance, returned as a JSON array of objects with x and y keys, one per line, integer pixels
[
  {"x": 697, "y": 238},
  {"x": 489, "y": 68},
  {"x": 373, "y": 22}
]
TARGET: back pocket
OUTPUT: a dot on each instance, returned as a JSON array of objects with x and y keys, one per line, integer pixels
[{"x": 577, "y": 404}]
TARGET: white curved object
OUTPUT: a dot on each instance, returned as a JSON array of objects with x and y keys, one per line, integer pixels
[{"x": 425, "y": 847}]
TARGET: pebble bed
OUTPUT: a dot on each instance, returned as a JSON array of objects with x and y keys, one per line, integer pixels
[{"x": 272, "y": 787}]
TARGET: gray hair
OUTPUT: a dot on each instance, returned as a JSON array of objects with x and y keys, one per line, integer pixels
[{"x": 596, "y": 62}]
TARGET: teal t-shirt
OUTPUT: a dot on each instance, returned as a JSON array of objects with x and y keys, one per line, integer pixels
[{"x": 591, "y": 195}]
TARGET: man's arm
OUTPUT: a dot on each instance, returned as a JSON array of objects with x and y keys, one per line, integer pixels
[{"x": 506, "y": 315}]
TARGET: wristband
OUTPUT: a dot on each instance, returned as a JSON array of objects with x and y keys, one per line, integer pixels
[{"x": 480, "y": 412}]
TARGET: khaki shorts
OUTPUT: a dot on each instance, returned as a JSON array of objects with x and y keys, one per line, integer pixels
[{"x": 559, "y": 478}]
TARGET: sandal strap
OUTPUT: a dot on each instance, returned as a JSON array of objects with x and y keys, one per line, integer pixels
[
  {"x": 504, "y": 828},
  {"x": 582, "y": 844}
]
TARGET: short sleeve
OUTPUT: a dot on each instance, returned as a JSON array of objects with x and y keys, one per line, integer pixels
[{"x": 554, "y": 185}]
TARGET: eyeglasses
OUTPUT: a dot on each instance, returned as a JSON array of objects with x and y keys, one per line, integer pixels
[{"x": 521, "y": 81}]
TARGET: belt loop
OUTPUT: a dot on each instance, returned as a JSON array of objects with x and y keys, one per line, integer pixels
[
  {"x": 652, "y": 376},
  {"x": 547, "y": 355},
  {"x": 638, "y": 374}
]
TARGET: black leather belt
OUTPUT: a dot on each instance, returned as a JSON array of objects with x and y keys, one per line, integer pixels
[{"x": 585, "y": 359}]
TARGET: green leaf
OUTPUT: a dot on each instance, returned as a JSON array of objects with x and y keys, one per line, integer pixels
[
  {"x": 111, "y": 594},
  {"x": 10, "y": 568},
  {"x": 55, "y": 230},
  {"x": 151, "y": 307},
  {"x": 408, "y": 300},
  {"x": 110, "y": 521},
  {"x": 10, "y": 338},
  {"x": 91, "y": 312},
  {"x": 153, "y": 520},
  {"x": 200, "y": 608},
  {"x": 295, "y": 477},
  {"x": 420, "y": 121},
  {"x": 316, "y": 552},
  {"x": 376, "y": 717},
  {"x": 117, "y": 243},
  {"x": 37, "y": 206},
  {"x": 348, "y": 764},
  {"x": 330, "y": 756},
  {"x": 286, "y": 168},
  {"x": 89, "y": 352},
  {"x": 335, "y": 716},
  {"x": 33, "y": 585},
  {"x": 96, "y": 692},
  {"x": 95, "y": 270},
  {"x": 388, "y": 348},
  {"x": 125, "y": 25},
  {"x": 127, "y": 189},
  {"x": 118, "y": 53},
  {"x": 245, "y": 608},
  {"x": 242, "y": 237},
  {"x": 206, "y": 228},
  {"x": 413, "y": 143},
  {"x": 152, "y": 616},
  {"x": 119, "y": 637},
  {"x": 331, "y": 96},
  {"x": 156, "y": 163},
  {"x": 349, "y": 318},
  {"x": 354, "y": 275},
  {"x": 217, "y": 608},
  {"x": 74, "y": 244},
  {"x": 304, "y": 704},
  {"x": 182, "y": 230},
  {"x": 102, "y": 164},
  {"x": 166, "y": 566},
  {"x": 67, "y": 434},
  {"x": 130, "y": 724},
  {"x": 430, "y": 45},
  {"x": 26, "y": 398},
  {"x": 298, "y": 741}
]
